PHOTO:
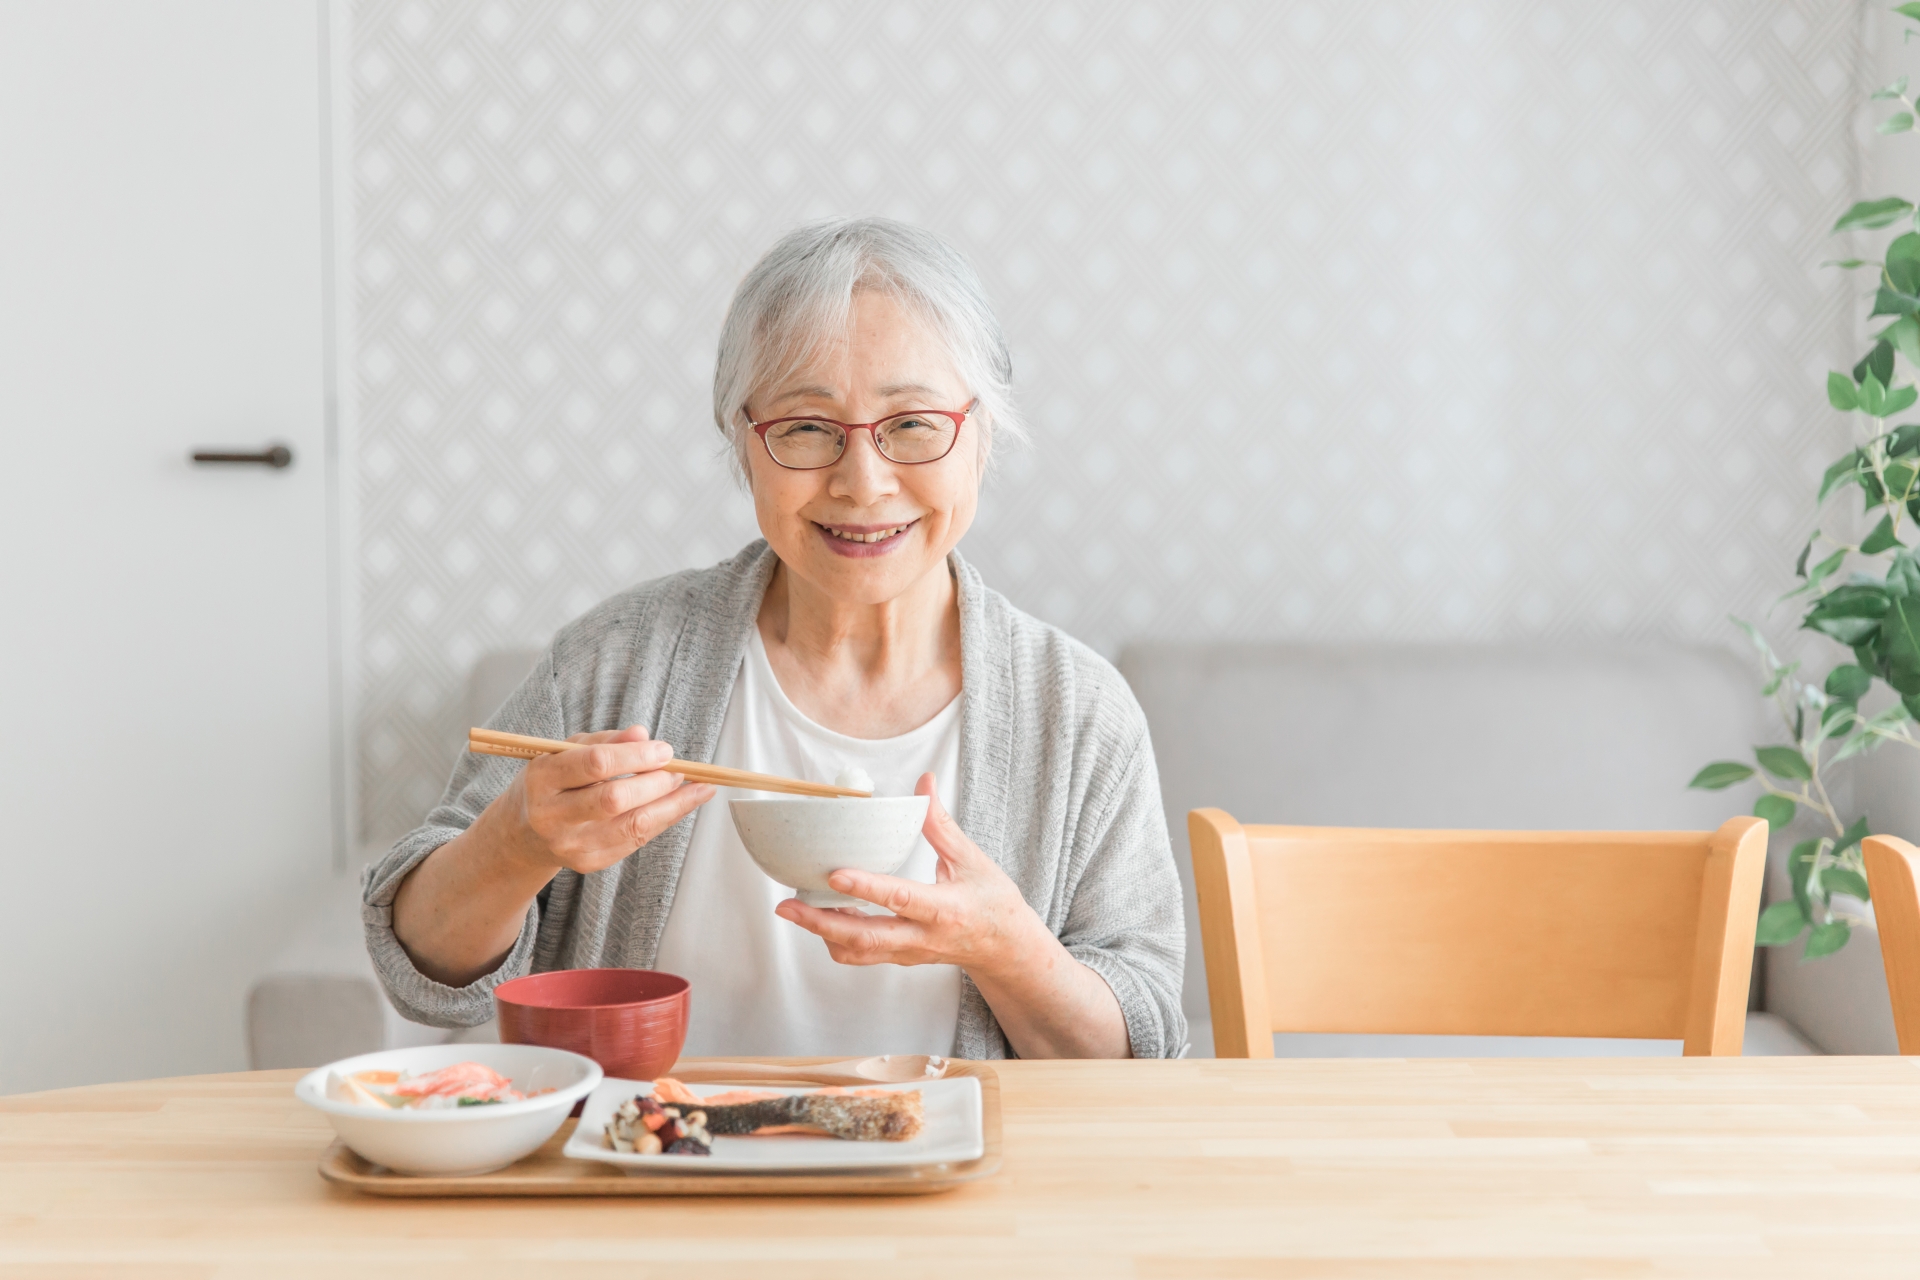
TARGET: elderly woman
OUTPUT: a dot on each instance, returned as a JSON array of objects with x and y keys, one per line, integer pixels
[{"x": 861, "y": 376}]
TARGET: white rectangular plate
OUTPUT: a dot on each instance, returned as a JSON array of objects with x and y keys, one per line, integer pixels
[{"x": 952, "y": 1134}]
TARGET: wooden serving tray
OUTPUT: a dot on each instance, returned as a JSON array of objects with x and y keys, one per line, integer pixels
[{"x": 548, "y": 1173}]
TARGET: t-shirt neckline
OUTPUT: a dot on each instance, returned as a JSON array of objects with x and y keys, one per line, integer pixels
[{"x": 763, "y": 671}]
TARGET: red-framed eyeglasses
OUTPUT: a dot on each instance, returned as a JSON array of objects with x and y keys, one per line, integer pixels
[{"x": 810, "y": 443}]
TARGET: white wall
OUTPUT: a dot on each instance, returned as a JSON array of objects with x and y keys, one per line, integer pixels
[{"x": 1483, "y": 321}]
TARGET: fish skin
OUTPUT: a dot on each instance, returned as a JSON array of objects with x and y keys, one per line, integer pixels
[{"x": 887, "y": 1117}]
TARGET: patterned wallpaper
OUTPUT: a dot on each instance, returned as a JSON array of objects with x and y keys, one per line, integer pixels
[{"x": 1366, "y": 319}]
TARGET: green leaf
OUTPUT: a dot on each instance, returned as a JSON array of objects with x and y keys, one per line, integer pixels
[
  {"x": 1780, "y": 924},
  {"x": 1873, "y": 394},
  {"x": 1838, "y": 718},
  {"x": 1910, "y": 705},
  {"x": 1898, "y": 400},
  {"x": 1841, "y": 392},
  {"x": 1903, "y": 247},
  {"x": 1849, "y": 264},
  {"x": 1821, "y": 572},
  {"x": 1854, "y": 600},
  {"x": 1904, "y": 334},
  {"x": 1873, "y": 213},
  {"x": 1784, "y": 762},
  {"x": 1777, "y": 810},
  {"x": 1800, "y": 869},
  {"x": 1898, "y": 122},
  {"x": 1841, "y": 472},
  {"x": 1878, "y": 361},
  {"x": 1848, "y": 681},
  {"x": 1843, "y": 880},
  {"x": 1852, "y": 632},
  {"x": 1852, "y": 836},
  {"x": 1903, "y": 280},
  {"x": 1901, "y": 632},
  {"x": 1850, "y": 614},
  {"x": 1903, "y": 440},
  {"x": 1827, "y": 938},
  {"x": 1893, "y": 90},
  {"x": 1894, "y": 302},
  {"x": 1903, "y": 575},
  {"x": 1908, "y": 10},
  {"x": 1881, "y": 539},
  {"x": 1721, "y": 774},
  {"x": 1900, "y": 476}
]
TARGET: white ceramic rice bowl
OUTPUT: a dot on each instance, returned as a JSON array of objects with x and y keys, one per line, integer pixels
[
  {"x": 457, "y": 1141},
  {"x": 799, "y": 842}
]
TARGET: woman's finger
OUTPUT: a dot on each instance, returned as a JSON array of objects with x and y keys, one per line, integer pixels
[
  {"x": 950, "y": 843},
  {"x": 906, "y": 898},
  {"x": 864, "y": 939},
  {"x": 639, "y": 826},
  {"x": 610, "y": 800},
  {"x": 632, "y": 733},
  {"x": 598, "y": 762}
]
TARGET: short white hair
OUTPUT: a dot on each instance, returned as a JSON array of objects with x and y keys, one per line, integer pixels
[{"x": 799, "y": 296}]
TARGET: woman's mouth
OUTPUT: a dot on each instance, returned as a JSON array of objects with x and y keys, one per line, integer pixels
[{"x": 860, "y": 540}]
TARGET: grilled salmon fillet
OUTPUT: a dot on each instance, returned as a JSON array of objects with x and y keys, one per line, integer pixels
[{"x": 857, "y": 1115}]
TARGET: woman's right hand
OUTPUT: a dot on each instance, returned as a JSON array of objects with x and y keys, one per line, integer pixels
[
  {"x": 458, "y": 912},
  {"x": 586, "y": 810}
]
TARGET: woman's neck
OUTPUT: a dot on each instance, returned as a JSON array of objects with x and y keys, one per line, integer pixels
[{"x": 865, "y": 670}]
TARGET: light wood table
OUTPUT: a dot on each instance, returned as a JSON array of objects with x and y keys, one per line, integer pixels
[{"x": 1501, "y": 1168}]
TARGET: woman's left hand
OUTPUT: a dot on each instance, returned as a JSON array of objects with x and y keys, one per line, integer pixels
[
  {"x": 972, "y": 915},
  {"x": 1048, "y": 1004}
]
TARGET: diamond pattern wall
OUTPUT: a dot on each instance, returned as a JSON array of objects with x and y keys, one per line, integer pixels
[{"x": 1372, "y": 319}]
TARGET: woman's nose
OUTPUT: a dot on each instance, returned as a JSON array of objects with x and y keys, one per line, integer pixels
[{"x": 863, "y": 472}]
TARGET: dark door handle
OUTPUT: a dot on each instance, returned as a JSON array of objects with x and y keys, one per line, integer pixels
[{"x": 275, "y": 456}]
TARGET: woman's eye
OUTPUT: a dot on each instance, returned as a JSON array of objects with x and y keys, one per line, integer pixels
[
  {"x": 791, "y": 429},
  {"x": 912, "y": 424}
]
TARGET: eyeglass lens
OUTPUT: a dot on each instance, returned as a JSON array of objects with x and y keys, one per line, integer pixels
[{"x": 908, "y": 437}]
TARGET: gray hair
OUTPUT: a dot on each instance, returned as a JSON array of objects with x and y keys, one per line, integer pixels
[{"x": 800, "y": 295}]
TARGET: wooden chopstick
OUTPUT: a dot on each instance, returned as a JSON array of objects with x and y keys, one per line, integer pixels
[{"x": 492, "y": 742}]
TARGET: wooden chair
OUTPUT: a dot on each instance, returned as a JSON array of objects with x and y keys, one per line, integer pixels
[
  {"x": 1893, "y": 869},
  {"x": 1527, "y": 933}
]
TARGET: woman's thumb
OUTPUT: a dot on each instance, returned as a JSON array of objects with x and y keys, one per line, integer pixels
[{"x": 941, "y": 831}]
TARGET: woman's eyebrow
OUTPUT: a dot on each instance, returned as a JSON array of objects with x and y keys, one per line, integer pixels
[
  {"x": 903, "y": 388},
  {"x": 805, "y": 393}
]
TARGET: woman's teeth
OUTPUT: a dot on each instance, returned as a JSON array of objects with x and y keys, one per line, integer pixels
[{"x": 881, "y": 536}]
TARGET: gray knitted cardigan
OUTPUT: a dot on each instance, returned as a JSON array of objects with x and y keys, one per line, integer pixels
[{"x": 1057, "y": 785}]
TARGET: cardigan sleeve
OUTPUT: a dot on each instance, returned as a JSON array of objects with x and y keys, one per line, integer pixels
[
  {"x": 1126, "y": 920},
  {"x": 535, "y": 709}
]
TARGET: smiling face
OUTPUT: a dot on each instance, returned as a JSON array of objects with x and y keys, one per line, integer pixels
[{"x": 864, "y": 530}]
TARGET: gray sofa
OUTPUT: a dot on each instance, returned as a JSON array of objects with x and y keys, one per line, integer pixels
[
  {"x": 1382, "y": 735},
  {"x": 1472, "y": 736}
]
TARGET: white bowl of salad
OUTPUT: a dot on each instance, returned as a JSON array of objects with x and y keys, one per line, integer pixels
[{"x": 450, "y": 1110}]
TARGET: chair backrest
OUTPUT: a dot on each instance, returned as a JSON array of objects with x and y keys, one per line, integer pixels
[
  {"x": 1893, "y": 872},
  {"x": 1643, "y": 935}
]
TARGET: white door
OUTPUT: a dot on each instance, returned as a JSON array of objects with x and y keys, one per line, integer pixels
[{"x": 164, "y": 720}]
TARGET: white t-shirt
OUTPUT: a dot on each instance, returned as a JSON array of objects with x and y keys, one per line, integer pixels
[{"x": 763, "y": 986}]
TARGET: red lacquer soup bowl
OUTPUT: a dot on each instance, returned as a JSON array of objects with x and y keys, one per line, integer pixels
[{"x": 632, "y": 1022}]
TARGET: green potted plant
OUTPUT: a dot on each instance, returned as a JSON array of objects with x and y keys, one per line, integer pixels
[{"x": 1864, "y": 596}]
